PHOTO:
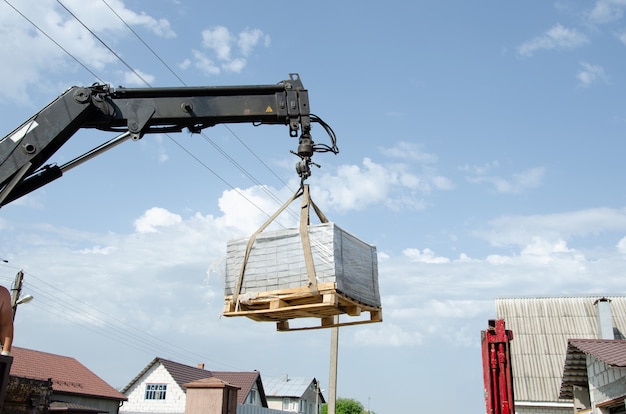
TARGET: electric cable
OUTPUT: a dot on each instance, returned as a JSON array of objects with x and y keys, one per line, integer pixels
[
  {"x": 74, "y": 310},
  {"x": 249, "y": 175},
  {"x": 104, "y": 44},
  {"x": 158, "y": 57},
  {"x": 205, "y": 136},
  {"x": 77, "y": 314},
  {"x": 54, "y": 41},
  {"x": 144, "y": 43}
]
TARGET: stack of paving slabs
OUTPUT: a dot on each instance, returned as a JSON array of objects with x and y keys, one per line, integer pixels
[{"x": 315, "y": 271}]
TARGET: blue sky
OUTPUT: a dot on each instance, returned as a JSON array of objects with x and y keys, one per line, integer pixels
[{"x": 481, "y": 152}]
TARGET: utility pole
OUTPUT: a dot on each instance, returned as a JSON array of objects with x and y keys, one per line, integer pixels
[
  {"x": 16, "y": 291},
  {"x": 332, "y": 383}
]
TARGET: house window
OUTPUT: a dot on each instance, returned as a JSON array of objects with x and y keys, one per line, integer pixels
[
  {"x": 302, "y": 407},
  {"x": 286, "y": 403},
  {"x": 155, "y": 391},
  {"x": 252, "y": 397}
]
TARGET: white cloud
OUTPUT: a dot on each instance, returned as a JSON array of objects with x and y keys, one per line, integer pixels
[
  {"x": 98, "y": 250},
  {"x": 186, "y": 63},
  {"x": 219, "y": 40},
  {"x": 621, "y": 246},
  {"x": 531, "y": 178},
  {"x": 388, "y": 335},
  {"x": 230, "y": 50},
  {"x": 235, "y": 65},
  {"x": 409, "y": 151},
  {"x": 101, "y": 16},
  {"x": 524, "y": 230},
  {"x": 31, "y": 58},
  {"x": 517, "y": 183},
  {"x": 590, "y": 74},
  {"x": 424, "y": 256},
  {"x": 244, "y": 210},
  {"x": 426, "y": 297},
  {"x": 479, "y": 169},
  {"x": 154, "y": 218},
  {"x": 558, "y": 37},
  {"x": 605, "y": 11},
  {"x": 397, "y": 186},
  {"x": 249, "y": 39},
  {"x": 138, "y": 78},
  {"x": 205, "y": 64}
]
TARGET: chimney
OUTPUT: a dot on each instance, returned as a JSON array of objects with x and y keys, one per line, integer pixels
[
  {"x": 605, "y": 319},
  {"x": 201, "y": 365},
  {"x": 284, "y": 378}
]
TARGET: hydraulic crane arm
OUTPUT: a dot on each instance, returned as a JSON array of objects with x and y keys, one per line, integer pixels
[{"x": 135, "y": 112}]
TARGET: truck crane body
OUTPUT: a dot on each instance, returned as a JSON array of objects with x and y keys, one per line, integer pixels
[
  {"x": 25, "y": 152},
  {"x": 497, "y": 369},
  {"x": 134, "y": 112}
]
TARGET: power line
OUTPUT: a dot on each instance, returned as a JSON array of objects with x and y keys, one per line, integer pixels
[
  {"x": 144, "y": 43},
  {"x": 104, "y": 44},
  {"x": 185, "y": 84},
  {"x": 210, "y": 141},
  {"x": 54, "y": 41},
  {"x": 64, "y": 308},
  {"x": 75, "y": 310},
  {"x": 249, "y": 175}
]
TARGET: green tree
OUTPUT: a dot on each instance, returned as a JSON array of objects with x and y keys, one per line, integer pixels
[{"x": 345, "y": 406}]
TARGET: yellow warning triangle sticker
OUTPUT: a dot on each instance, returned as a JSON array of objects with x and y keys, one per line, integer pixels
[{"x": 269, "y": 109}]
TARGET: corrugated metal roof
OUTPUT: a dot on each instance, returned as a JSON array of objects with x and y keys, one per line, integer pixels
[
  {"x": 611, "y": 352},
  {"x": 286, "y": 386},
  {"x": 541, "y": 329}
]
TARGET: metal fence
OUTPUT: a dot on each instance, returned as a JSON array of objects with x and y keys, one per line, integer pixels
[{"x": 255, "y": 409}]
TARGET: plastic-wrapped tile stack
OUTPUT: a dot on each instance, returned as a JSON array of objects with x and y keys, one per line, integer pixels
[{"x": 276, "y": 262}]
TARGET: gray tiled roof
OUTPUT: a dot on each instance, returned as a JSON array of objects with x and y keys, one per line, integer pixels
[{"x": 541, "y": 329}]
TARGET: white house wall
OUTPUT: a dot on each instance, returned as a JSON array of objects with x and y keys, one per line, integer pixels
[
  {"x": 174, "y": 397},
  {"x": 539, "y": 409},
  {"x": 605, "y": 382}
]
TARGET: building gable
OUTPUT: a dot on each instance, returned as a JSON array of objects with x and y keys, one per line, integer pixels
[
  {"x": 300, "y": 394},
  {"x": 154, "y": 390},
  {"x": 171, "y": 376}
]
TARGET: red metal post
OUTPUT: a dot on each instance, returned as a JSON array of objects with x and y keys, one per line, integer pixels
[{"x": 497, "y": 371}]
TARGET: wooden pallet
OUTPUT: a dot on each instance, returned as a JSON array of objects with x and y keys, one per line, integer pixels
[{"x": 282, "y": 305}]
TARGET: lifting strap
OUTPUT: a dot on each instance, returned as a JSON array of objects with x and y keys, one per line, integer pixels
[{"x": 307, "y": 202}]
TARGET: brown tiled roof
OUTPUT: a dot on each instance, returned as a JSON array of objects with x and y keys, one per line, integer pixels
[
  {"x": 245, "y": 381},
  {"x": 67, "y": 374},
  {"x": 610, "y": 351},
  {"x": 184, "y": 374}
]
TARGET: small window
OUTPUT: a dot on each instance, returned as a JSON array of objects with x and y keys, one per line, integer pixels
[
  {"x": 286, "y": 403},
  {"x": 252, "y": 397},
  {"x": 155, "y": 391},
  {"x": 302, "y": 407}
]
